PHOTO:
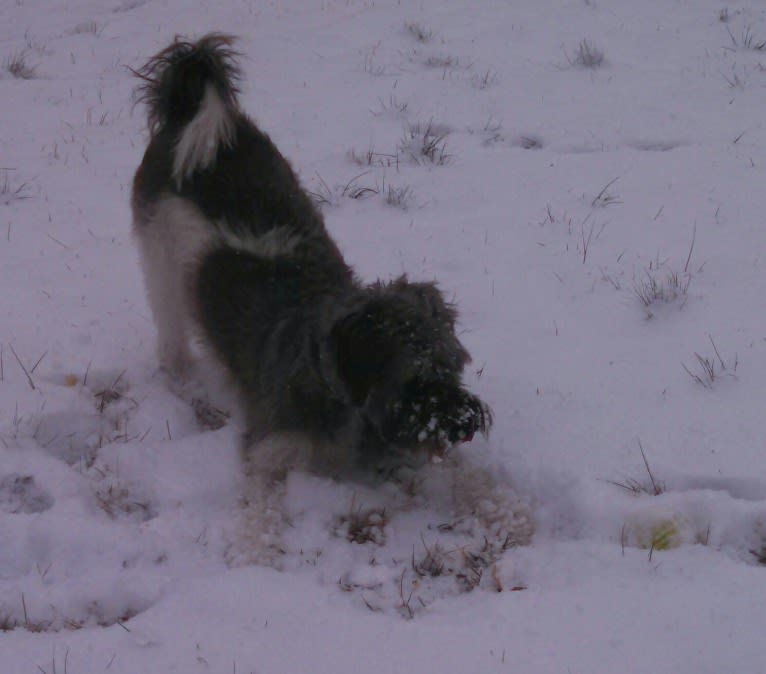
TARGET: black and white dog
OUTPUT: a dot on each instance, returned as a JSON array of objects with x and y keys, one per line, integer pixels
[{"x": 236, "y": 254}]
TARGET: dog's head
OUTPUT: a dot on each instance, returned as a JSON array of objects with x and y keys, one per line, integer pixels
[{"x": 401, "y": 362}]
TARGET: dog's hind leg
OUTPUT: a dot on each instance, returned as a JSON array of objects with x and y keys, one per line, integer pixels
[
  {"x": 171, "y": 235},
  {"x": 164, "y": 294}
]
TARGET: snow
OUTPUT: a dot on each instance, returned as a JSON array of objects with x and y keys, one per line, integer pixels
[{"x": 118, "y": 514}]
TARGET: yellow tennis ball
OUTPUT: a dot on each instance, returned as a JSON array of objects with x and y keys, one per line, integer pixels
[{"x": 661, "y": 535}]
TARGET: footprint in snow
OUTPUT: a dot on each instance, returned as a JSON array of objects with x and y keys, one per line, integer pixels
[{"x": 22, "y": 494}]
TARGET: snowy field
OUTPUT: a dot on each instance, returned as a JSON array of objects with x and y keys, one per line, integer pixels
[{"x": 585, "y": 179}]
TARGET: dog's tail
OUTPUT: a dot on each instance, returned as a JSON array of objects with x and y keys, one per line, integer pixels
[{"x": 190, "y": 89}]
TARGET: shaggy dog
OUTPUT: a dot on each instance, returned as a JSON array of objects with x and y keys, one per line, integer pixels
[{"x": 236, "y": 254}]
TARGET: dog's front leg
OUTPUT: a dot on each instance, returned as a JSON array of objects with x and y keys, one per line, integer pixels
[{"x": 267, "y": 461}]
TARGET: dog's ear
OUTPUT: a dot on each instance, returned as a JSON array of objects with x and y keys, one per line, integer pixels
[
  {"x": 430, "y": 298},
  {"x": 362, "y": 352},
  {"x": 431, "y": 301}
]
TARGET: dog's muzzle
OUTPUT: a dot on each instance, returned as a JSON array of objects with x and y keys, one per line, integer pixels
[{"x": 434, "y": 423}]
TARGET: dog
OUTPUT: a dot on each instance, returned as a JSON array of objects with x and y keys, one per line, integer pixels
[{"x": 236, "y": 255}]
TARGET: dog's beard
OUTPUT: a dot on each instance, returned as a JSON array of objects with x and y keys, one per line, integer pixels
[{"x": 438, "y": 418}]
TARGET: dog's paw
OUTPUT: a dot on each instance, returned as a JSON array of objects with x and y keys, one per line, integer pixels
[
  {"x": 485, "y": 504},
  {"x": 257, "y": 539},
  {"x": 22, "y": 494},
  {"x": 497, "y": 508},
  {"x": 257, "y": 535}
]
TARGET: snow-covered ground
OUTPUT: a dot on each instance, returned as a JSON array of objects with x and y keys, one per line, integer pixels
[{"x": 595, "y": 208}]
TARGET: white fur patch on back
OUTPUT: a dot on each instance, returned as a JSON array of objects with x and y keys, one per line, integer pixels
[
  {"x": 211, "y": 127},
  {"x": 271, "y": 244}
]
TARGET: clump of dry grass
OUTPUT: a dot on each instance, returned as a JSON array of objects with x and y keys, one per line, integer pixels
[
  {"x": 371, "y": 157},
  {"x": 588, "y": 55},
  {"x": 467, "y": 565},
  {"x": 393, "y": 107},
  {"x": 476, "y": 562},
  {"x": 442, "y": 61},
  {"x": 128, "y": 5},
  {"x": 528, "y": 141},
  {"x": 363, "y": 525},
  {"x": 110, "y": 394},
  {"x": 8, "y": 623},
  {"x": 484, "y": 80},
  {"x": 117, "y": 502},
  {"x": 425, "y": 144},
  {"x": 89, "y": 27},
  {"x": 747, "y": 40},
  {"x": 605, "y": 198},
  {"x": 10, "y": 193},
  {"x": 418, "y": 31},
  {"x": 328, "y": 196},
  {"x": 18, "y": 65},
  {"x": 94, "y": 615},
  {"x": 653, "y": 488},
  {"x": 435, "y": 561},
  {"x": 492, "y": 133},
  {"x": 209, "y": 417},
  {"x": 674, "y": 286},
  {"x": 711, "y": 368},
  {"x": 399, "y": 197}
]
